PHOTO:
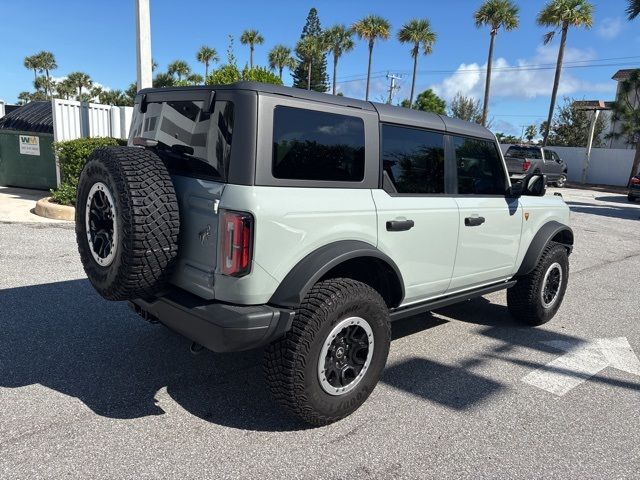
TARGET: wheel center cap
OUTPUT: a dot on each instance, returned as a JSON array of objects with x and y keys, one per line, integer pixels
[{"x": 340, "y": 352}]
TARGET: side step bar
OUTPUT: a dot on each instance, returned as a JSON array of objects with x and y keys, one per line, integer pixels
[{"x": 411, "y": 310}]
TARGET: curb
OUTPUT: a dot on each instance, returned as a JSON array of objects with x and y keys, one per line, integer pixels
[{"x": 45, "y": 208}]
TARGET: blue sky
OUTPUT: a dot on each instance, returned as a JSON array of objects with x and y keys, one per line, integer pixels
[{"x": 98, "y": 37}]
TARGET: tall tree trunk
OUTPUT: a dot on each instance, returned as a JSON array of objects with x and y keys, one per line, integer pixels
[
  {"x": 335, "y": 69},
  {"x": 47, "y": 87},
  {"x": 251, "y": 57},
  {"x": 556, "y": 82},
  {"x": 206, "y": 71},
  {"x": 413, "y": 80},
  {"x": 636, "y": 163},
  {"x": 487, "y": 83},
  {"x": 366, "y": 96},
  {"x": 309, "y": 76},
  {"x": 280, "y": 68}
]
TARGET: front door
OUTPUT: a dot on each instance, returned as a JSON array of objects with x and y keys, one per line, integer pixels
[
  {"x": 417, "y": 222},
  {"x": 552, "y": 167},
  {"x": 490, "y": 223}
]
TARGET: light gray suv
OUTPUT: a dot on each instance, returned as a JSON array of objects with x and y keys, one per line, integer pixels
[{"x": 249, "y": 215}]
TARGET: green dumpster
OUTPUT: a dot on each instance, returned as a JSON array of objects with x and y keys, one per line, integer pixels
[{"x": 27, "y": 160}]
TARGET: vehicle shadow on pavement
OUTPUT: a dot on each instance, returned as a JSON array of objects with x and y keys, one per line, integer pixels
[
  {"x": 65, "y": 337},
  {"x": 612, "y": 211}
]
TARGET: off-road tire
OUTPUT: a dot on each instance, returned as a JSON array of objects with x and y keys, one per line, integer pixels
[
  {"x": 524, "y": 299},
  {"x": 147, "y": 222},
  {"x": 291, "y": 363}
]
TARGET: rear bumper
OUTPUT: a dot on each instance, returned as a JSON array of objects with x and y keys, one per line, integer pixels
[
  {"x": 220, "y": 327},
  {"x": 634, "y": 191}
]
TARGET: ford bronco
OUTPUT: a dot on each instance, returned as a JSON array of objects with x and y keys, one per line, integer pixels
[{"x": 250, "y": 215}]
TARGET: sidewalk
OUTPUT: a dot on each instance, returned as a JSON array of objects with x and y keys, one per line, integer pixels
[{"x": 17, "y": 204}]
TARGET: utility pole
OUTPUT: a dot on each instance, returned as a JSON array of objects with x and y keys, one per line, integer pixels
[
  {"x": 143, "y": 44},
  {"x": 392, "y": 85}
]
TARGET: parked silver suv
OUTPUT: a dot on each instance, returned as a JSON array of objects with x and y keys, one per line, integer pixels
[{"x": 249, "y": 215}]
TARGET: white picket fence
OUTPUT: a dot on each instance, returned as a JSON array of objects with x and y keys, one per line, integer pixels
[
  {"x": 73, "y": 119},
  {"x": 607, "y": 166}
]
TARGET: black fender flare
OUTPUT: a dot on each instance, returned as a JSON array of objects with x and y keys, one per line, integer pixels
[
  {"x": 540, "y": 240},
  {"x": 315, "y": 265}
]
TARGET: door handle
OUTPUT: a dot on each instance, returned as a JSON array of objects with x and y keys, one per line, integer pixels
[
  {"x": 473, "y": 221},
  {"x": 399, "y": 225}
]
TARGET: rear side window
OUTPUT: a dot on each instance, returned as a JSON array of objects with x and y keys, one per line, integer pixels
[
  {"x": 313, "y": 145},
  {"x": 479, "y": 166},
  {"x": 413, "y": 159},
  {"x": 190, "y": 140}
]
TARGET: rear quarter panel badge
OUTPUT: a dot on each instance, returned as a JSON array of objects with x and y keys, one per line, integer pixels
[{"x": 205, "y": 234}]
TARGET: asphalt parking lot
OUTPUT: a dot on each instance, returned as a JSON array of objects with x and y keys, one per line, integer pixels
[{"x": 88, "y": 390}]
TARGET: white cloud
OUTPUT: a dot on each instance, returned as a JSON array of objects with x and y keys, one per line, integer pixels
[
  {"x": 610, "y": 27},
  {"x": 524, "y": 81}
]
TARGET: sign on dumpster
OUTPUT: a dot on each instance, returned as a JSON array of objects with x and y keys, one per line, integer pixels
[{"x": 29, "y": 145}]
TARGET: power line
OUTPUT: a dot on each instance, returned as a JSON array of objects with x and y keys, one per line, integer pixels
[{"x": 532, "y": 67}]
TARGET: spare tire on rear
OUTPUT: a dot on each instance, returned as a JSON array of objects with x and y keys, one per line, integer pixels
[{"x": 127, "y": 222}]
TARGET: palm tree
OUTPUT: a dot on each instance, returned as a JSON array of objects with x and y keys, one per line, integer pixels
[
  {"x": 32, "y": 62},
  {"x": 495, "y": 14},
  {"x": 65, "y": 89},
  {"x": 419, "y": 34},
  {"x": 338, "y": 40},
  {"x": 251, "y": 38},
  {"x": 307, "y": 49},
  {"x": 195, "y": 79},
  {"x": 280, "y": 57},
  {"x": 24, "y": 97},
  {"x": 633, "y": 10},
  {"x": 179, "y": 68},
  {"x": 562, "y": 14},
  {"x": 47, "y": 63},
  {"x": 207, "y": 55},
  {"x": 370, "y": 28},
  {"x": 79, "y": 80}
]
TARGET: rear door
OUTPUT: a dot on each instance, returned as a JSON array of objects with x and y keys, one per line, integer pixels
[
  {"x": 417, "y": 222},
  {"x": 490, "y": 223}
]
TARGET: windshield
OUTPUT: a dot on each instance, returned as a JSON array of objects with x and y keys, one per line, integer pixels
[
  {"x": 190, "y": 140},
  {"x": 524, "y": 152}
]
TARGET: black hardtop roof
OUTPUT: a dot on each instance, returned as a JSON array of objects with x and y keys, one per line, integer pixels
[{"x": 387, "y": 113}]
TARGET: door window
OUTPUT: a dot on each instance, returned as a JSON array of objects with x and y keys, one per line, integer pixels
[
  {"x": 412, "y": 160},
  {"x": 479, "y": 166}
]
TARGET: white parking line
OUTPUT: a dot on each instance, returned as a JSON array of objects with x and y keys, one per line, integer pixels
[{"x": 581, "y": 361}]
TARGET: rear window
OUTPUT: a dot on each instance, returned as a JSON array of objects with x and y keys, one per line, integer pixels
[
  {"x": 313, "y": 145},
  {"x": 524, "y": 152},
  {"x": 190, "y": 140}
]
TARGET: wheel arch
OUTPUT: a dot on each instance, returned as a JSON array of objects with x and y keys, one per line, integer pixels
[
  {"x": 347, "y": 258},
  {"x": 552, "y": 231}
]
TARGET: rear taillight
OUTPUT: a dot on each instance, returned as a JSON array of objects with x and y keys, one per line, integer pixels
[
  {"x": 526, "y": 165},
  {"x": 635, "y": 181},
  {"x": 236, "y": 229}
]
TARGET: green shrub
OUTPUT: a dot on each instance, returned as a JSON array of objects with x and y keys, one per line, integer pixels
[
  {"x": 65, "y": 194},
  {"x": 224, "y": 75},
  {"x": 72, "y": 155},
  {"x": 229, "y": 73},
  {"x": 261, "y": 74}
]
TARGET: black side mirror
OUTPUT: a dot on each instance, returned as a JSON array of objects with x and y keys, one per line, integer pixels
[{"x": 534, "y": 185}]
